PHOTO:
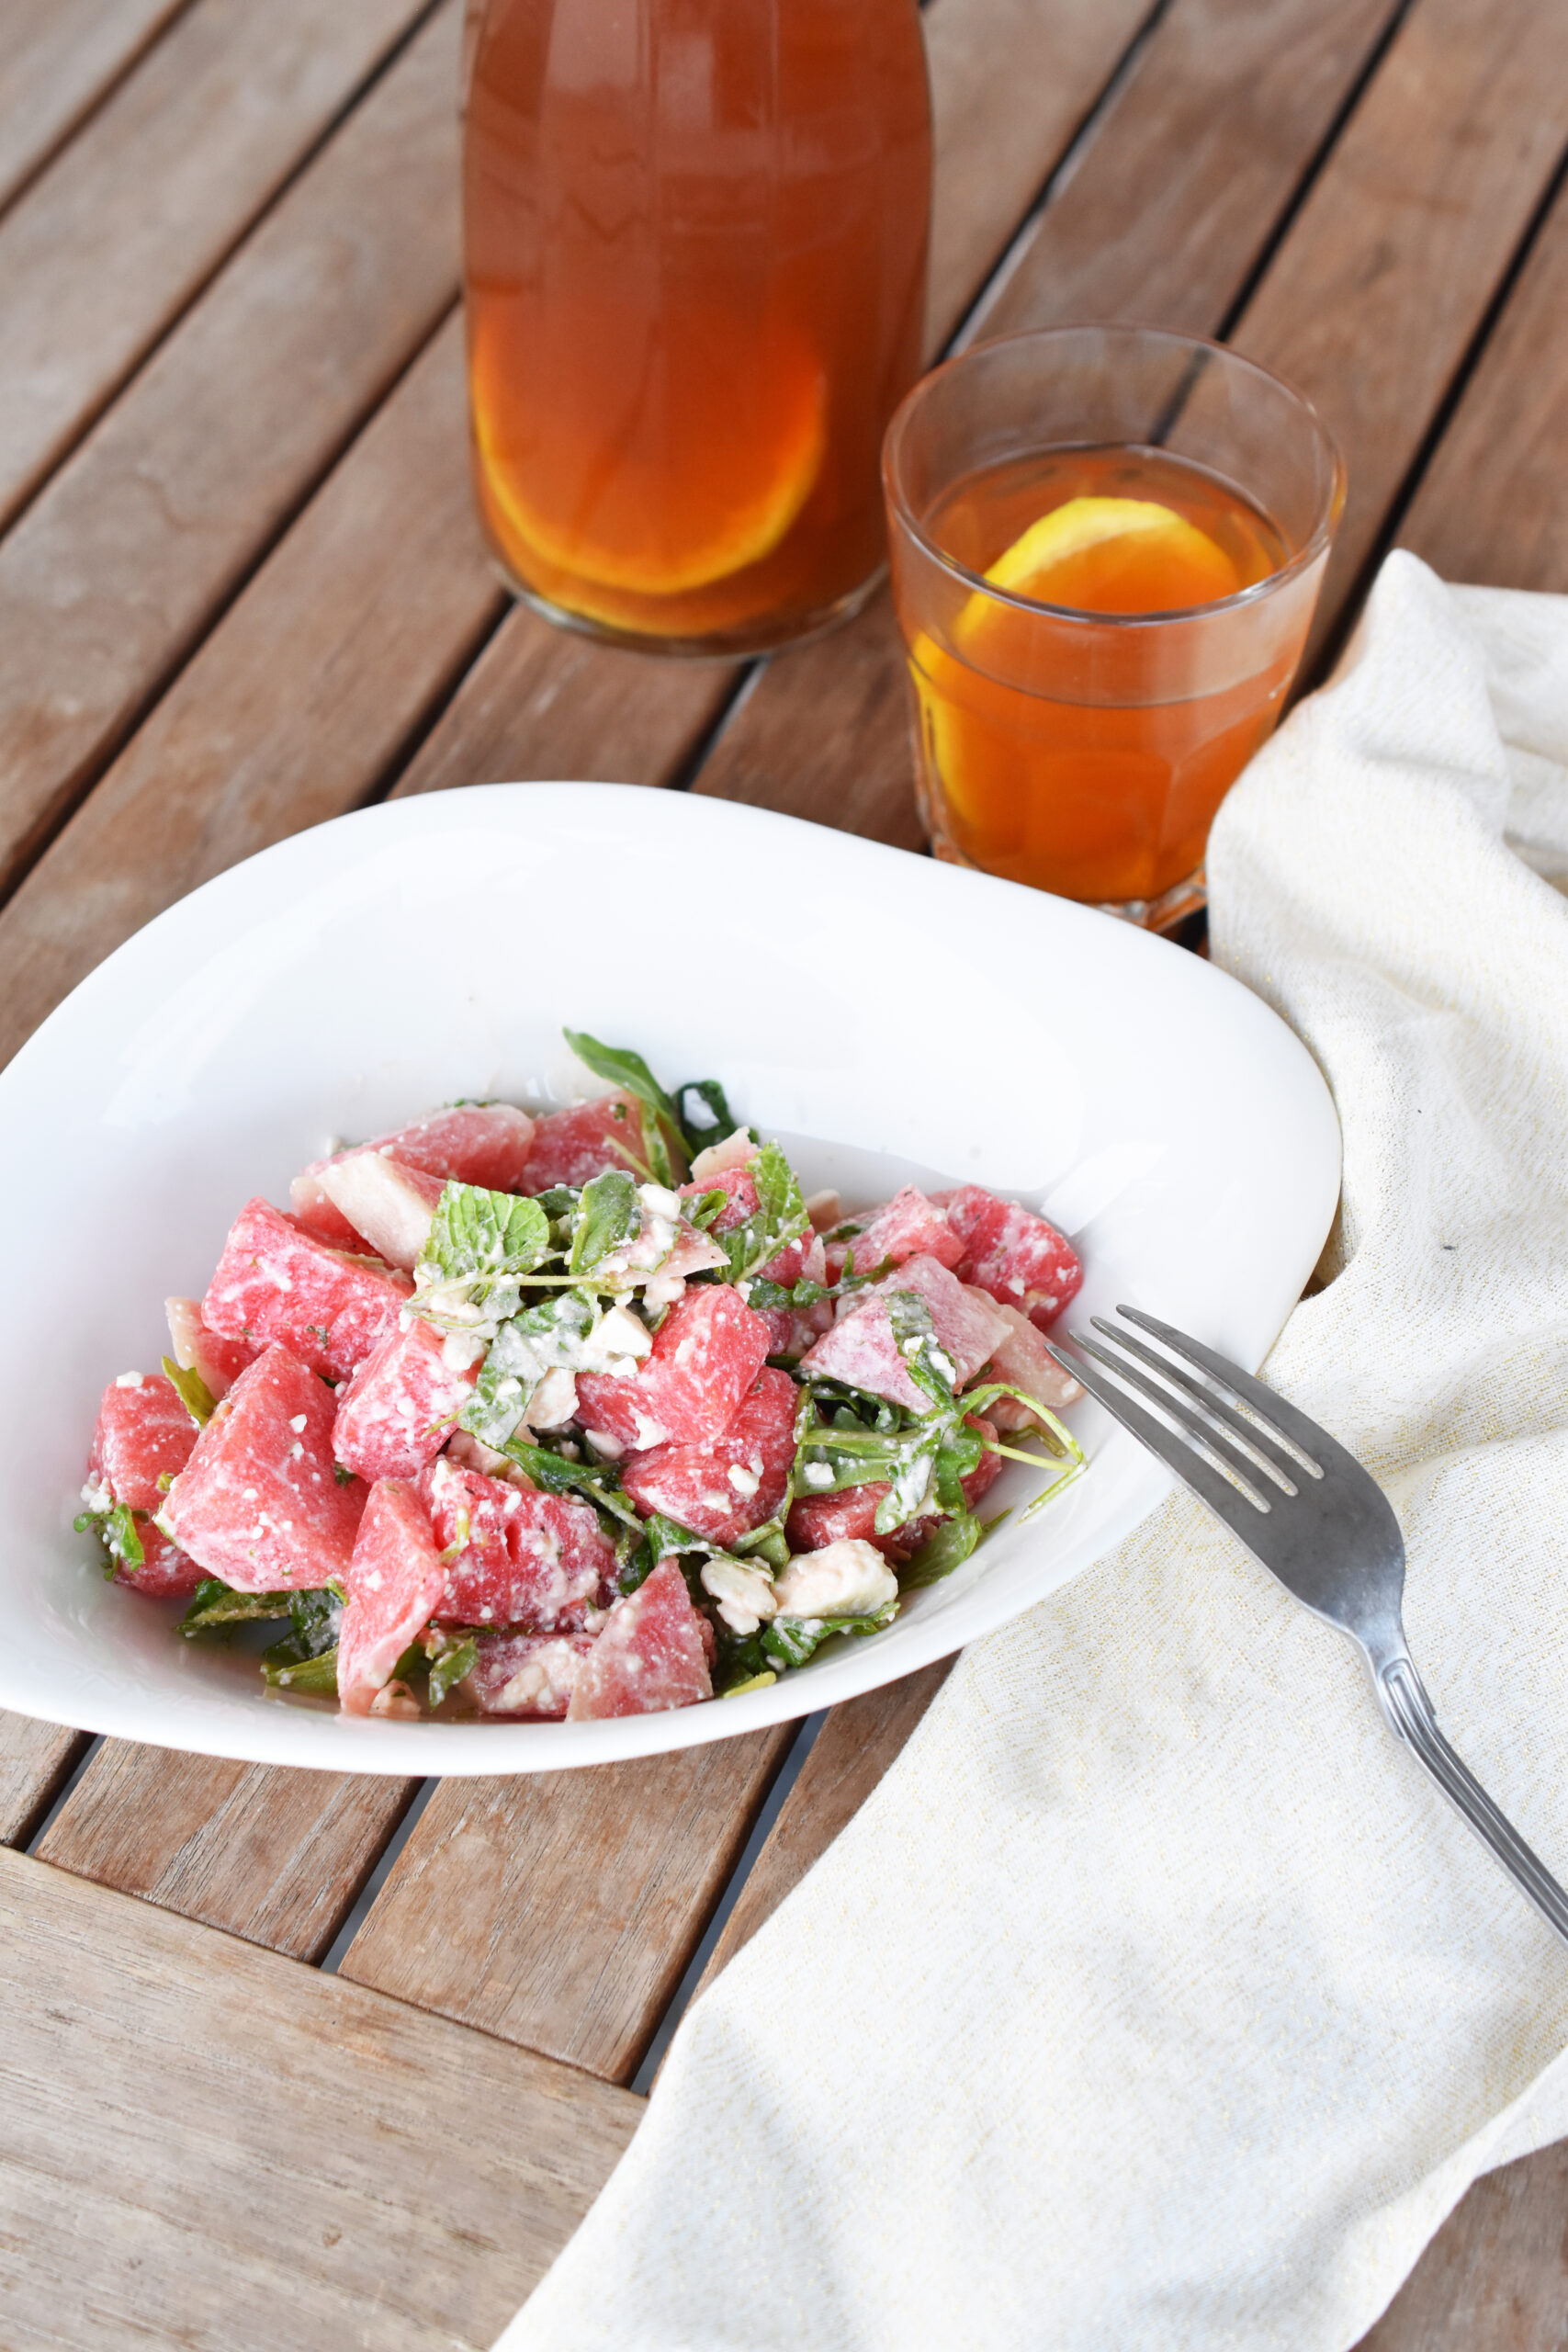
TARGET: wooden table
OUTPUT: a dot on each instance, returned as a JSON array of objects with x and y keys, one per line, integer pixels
[{"x": 261, "y": 2089}]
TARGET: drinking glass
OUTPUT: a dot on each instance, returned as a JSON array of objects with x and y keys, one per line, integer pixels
[{"x": 1085, "y": 750}]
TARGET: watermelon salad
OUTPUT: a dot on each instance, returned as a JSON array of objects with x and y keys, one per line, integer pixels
[{"x": 586, "y": 1414}]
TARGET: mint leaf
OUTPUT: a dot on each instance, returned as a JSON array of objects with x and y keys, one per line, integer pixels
[
  {"x": 481, "y": 1237},
  {"x": 216, "y": 1603},
  {"x": 450, "y": 1664},
  {"x": 542, "y": 1339},
  {"x": 316, "y": 1675},
  {"x": 116, "y": 1530},
  {"x": 778, "y": 1219},
  {"x": 314, "y": 1619},
  {"x": 194, "y": 1395},
  {"x": 609, "y": 1215}
]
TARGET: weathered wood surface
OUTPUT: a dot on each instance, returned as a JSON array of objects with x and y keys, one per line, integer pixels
[
  {"x": 57, "y": 58},
  {"x": 107, "y": 245},
  {"x": 140, "y": 539},
  {"x": 205, "y": 2144},
  {"x": 36, "y": 1760},
  {"x": 561, "y": 1911},
  {"x": 273, "y": 1856}
]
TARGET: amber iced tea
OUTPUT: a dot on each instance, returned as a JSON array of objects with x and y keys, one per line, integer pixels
[
  {"x": 1101, "y": 630},
  {"x": 695, "y": 238}
]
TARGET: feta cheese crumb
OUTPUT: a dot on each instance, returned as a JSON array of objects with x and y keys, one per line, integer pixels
[
  {"x": 819, "y": 1474},
  {"x": 745, "y": 1595},
  {"x": 128, "y": 1380},
  {"x": 849, "y": 1578},
  {"x": 744, "y": 1481},
  {"x": 297, "y": 1423}
]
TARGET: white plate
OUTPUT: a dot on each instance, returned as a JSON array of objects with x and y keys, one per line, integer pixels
[{"x": 877, "y": 1002}]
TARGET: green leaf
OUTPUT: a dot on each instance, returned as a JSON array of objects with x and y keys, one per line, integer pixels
[
  {"x": 314, "y": 1618},
  {"x": 792, "y": 1640},
  {"x": 948, "y": 1549},
  {"x": 216, "y": 1603},
  {"x": 593, "y": 1482},
  {"x": 318, "y": 1676},
  {"x": 194, "y": 1395},
  {"x": 449, "y": 1666},
  {"x": 702, "y": 1213},
  {"x": 609, "y": 1215},
  {"x": 767, "y": 1542},
  {"x": 779, "y": 1218},
  {"x": 719, "y": 1120},
  {"x": 927, "y": 1362},
  {"x": 752, "y": 1682},
  {"x": 622, "y": 1067},
  {"x": 116, "y": 1530},
  {"x": 540, "y": 1339},
  {"x": 483, "y": 1238}
]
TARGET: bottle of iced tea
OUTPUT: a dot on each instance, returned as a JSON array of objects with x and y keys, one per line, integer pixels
[{"x": 694, "y": 252}]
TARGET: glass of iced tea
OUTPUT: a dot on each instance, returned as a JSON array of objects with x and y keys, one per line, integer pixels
[{"x": 1107, "y": 546}]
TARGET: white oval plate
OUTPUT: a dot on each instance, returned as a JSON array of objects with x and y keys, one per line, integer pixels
[{"x": 875, "y": 1002}]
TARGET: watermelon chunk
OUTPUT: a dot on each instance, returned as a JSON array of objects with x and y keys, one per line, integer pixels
[
  {"x": 394, "y": 1582},
  {"x": 526, "y": 1674},
  {"x": 816, "y": 1520},
  {"x": 570, "y": 1146},
  {"x": 909, "y": 1225},
  {"x": 1014, "y": 1254},
  {"x": 391, "y": 1204},
  {"x": 143, "y": 1432},
  {"x": 276, "y": 1283},
  {"x": 650, "y": 1655},
  {"x": 861, "y": 1351},
  {"x": 396, "y": 1413},
  {"x": 259, "y": 1503},
  {"x": 726, "y": 1484},
  {"x": 216, "y": 1362},
  {"x": 799, "y": 1258},
  {"x": 479, "y": 1143},
  {"x": 514, "y": 1556},
  {"x": 1023, "y": 1359},
  {"x": 705, "y": 1359}
]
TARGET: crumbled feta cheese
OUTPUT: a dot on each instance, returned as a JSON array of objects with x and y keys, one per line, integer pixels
[
  {"x": 664, "y": 1290},
  {"x": 819, "y": 1474},
  {"x": 297, "y": 1423},
  {"x": 605, "y": 1445},
  {"x": 98, "y": 1494},
  {"x": 396, "y": 1701},
  {"x": 460, "y": 1351},
  {"x": 649, "y": 1430},
  {"x": 744, "y": 1481},
  {"x": 129, "y": 1380},
  {"x": 745, "y": 1595},
  {"x": 657, "y": 1197},
  {"x": 617, "y": 1335},
  {"x": 553, "y": 1402},
  {"x": 849, "y": 1578}
]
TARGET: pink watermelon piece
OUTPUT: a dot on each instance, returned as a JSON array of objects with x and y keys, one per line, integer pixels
[
  {"x": 479, "y": 1143},
  {"x": 216, "y": 1362},
  {"x": 861, "y": 1349},
  {"x": 276, "y": 1283},
  {"x": 649, "y": 1657},
  {"x": 705, "y": 1359},
  {"x": 909, "y": 1225},
  {"x": 792, "y": 1330},
  {"x": 394, "y": 1582},
  {"x": 397, "y": 1412},
  {"x": 795, "y": 1259},
  {"x": 532, "y": 1675},
  {"x": 143, "y": 1432},
  {"x": 259, "y": 1503},
  {"x": 816, "y": 1520},
  {"x": 1023, "y": 1359},
  {"x": 391, "y": 1204},
  {"x": 570, "y": 1146},
  {"x": 726, "y": 1484},
  {"x": 1012, "y": 1254},
  {"x": 514, "y": 1556}
]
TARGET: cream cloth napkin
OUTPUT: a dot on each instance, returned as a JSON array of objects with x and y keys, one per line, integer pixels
[{"x": 1156, "y": 2000}]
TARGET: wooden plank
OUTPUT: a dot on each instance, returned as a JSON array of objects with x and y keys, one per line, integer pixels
[
  {"x": 57, "y": 58},
  {"x": 1010, "y": 79},
  {"x": 1388, "y": 274},
  {"x": 276, "y": 1857},
  {"x": 1493, "y": 505},
  {"x": 124, "y": 557},
  {"x": 205, "y": 2143},
  {"x": 848, "y": 1757},
  {"x": 1496, "y": 2277},
  {"x": 1183, "y": 261},
  {"x": 102, "y": 250},
  {"x": 1368, "y": 304},
  {"x": 35, "y": 1760},
  {"x": 306, "y": 692},
  {"x": 562, "y": 1911}
]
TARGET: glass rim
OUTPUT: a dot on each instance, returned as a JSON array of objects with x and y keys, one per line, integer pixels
[{"x": 976, "y": 582}]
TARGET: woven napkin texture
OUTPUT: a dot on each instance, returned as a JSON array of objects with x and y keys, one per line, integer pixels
[{"x": 1156, "y": 2000}]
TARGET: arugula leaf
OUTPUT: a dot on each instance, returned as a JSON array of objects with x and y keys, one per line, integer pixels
[
  {"x": 662, "y": 1135},
  {"x": 482, "y": 1238},
  {"x": 663, "y": 1539},
  {"x": 216, "y": 1603},
  {"x": 948, "y": 1549},
  {"x": 316, "y": 1675},
  {"x": 927, "y": 1362},
  {"x": 792, "y": 1640},
  {"x": 593, "y": 1482},
  {"x": 314, "y": 1618},
  {"x": 116, "y": 1530},
  {"x": 717, "y": 1120},
  {"x": 752, "y": 1682},
  {"x": 767, "y": 1542},
  {"x": 609, "y": 1215},
  {"x": 450, "y": 1664},
  {"x": 778, "y": 1219},
  {"x": 194, "y": 1395}
]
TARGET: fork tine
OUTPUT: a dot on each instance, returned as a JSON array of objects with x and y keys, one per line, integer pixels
[
  {"x": 1223, "y": 1499},
  {"x": 1244, "y": 1436},
  {"x": 1283, "y": 1421},
  {"x": 1173, "y": 1406}
]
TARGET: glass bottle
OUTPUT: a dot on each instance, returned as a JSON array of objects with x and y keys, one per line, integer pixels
[{"x": 694, "y": 238}]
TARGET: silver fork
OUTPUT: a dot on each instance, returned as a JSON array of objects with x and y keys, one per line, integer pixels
[{"x": 1314, "y": 1517}]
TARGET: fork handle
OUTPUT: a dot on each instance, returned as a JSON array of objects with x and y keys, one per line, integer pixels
[{"x": 1408, "y": 1712}]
